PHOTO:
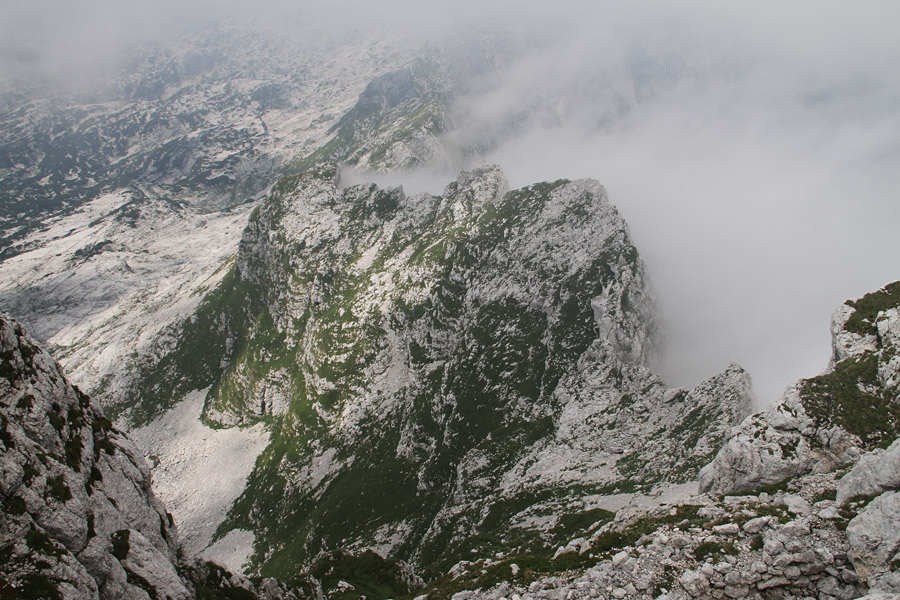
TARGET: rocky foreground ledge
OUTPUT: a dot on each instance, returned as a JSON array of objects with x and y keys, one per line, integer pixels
[{"x": 80, "y": 519}]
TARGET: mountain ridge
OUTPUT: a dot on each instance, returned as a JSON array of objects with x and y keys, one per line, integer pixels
[
  {"x": 357, "y": 316},
  {"x": 448, "y": 395}
]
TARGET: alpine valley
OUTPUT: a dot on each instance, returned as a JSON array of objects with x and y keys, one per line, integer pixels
[{"x": 234, "y": 368}]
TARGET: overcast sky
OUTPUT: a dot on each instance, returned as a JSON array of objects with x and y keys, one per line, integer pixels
[{"x": 757, "y": 159}]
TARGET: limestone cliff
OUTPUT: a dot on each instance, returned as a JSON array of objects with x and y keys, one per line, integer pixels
[{"x": 80, "y": 519}]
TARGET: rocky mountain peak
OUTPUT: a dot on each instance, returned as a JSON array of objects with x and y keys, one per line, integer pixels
[
  {"x": 472, "y": 190},
  {"x": 456, "y": 365}
]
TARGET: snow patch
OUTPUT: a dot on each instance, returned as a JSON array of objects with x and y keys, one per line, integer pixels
[
  {"x": 232, "y": 551},
  {"x": 199, "y": 471}
]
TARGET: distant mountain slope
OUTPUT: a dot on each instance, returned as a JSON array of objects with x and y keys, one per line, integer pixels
[
  {"x": 211, "y": 122},
  {"x": 104, "y": 282},
  {"x": 117, "y": 207}
]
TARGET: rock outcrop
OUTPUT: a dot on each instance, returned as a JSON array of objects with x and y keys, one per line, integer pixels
[
  {"x": 829, "y": 420},
  {"x": 874, "y": 536},
  {"x": 80, "y": 519},
  {"x": 848, "y": 415},
  {"x": 875, "y": 472},
  {"x": 780, "y": 443},
  {"x": 868, "y": 491},
  {"x": 459, "y": 365},
  {"x": 788, "y": 544}
]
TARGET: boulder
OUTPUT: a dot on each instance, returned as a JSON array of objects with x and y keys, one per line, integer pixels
[
  {"x": 765, "y": 448},
  {"x": 874, "y": 539},
  {"x": 876, "y": 471}
]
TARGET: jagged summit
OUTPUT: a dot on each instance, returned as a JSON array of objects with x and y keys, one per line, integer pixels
[{"x": 437, "y": 367}]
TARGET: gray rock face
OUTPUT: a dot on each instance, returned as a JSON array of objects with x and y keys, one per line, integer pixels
[
  {"x": 829, "y": 420},
  {"x": 875, "y": 472},
  {"x": 874, "y": 537},
  {"x": 845, "y": 344},
  {"x": 77, "y": 491},
  {"x": 771, "y": 446},
  {"x": 79, "y": 517},
  {"x": 888, "y": 326}
]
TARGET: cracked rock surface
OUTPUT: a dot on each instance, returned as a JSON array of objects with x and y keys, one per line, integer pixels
[{"x": 80, "y": 519}]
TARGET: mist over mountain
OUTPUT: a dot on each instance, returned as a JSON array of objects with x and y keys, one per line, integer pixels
[
  {"x": 739, "y": 141},
  {"x": 751, "y": 133},
  {"x": 465, "y": 301}
]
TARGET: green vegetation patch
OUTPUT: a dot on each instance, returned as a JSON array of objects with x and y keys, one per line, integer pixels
[
  {"x": 715, "y": 550},
  {"x": 91, "y": 250},
  {"x": 771, "y": 510},
  {"x": 57, "y": 489},
  {"x": 25, "y": 402},
  {"x": 852, "y": 398},
  {"x": 862, "y": 321},
  {"x": 73, "y": 448},
  {"x": 569, "y": 524},
  {"x": 56, "y": 420},
  {"x": 29, "y": 472},
  {"x": 532, "y": 556},
  {"x": 370, "y": 575},
  {"x": 105, "y": 445},
  {"x": 41, "y": 543},
  {"x": 5, "y": 435},
  {"x": 37, "y": 586},
  {"x": 520, "y": 569},
  {"x": 217, "y": 585},
  {"x": 851, "y": 508},
  {"x": 15, "y": 506},
  {"x": 826, "y": 494}
]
